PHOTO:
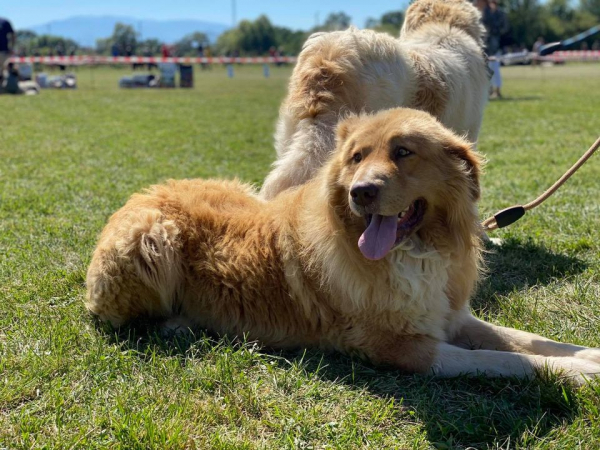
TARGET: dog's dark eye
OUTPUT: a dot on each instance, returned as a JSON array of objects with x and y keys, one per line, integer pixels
[
  {"x": 357, "y": 157},
  {"x": 401, "y": 152}
]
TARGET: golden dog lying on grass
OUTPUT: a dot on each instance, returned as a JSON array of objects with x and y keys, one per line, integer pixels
[{"x": 377, "y": 255}]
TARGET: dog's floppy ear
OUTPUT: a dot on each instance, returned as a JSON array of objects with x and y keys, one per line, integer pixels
[
  {"x": 346, "y": 126},
  {"x": 472, "y": 162}
]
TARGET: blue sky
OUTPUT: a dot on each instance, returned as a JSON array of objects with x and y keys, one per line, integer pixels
[{"x": 297, "y": 14}]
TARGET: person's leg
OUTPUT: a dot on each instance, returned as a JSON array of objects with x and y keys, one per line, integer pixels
[
  {"x": 496, "y": 78},
  {"x": 3, "y": 59}
]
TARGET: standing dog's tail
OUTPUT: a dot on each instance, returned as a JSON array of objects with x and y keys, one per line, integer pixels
[{"x": 455, "y": 13}]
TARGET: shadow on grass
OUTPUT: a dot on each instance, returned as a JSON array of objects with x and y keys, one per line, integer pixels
[
  {"x": 461, "y": 412},
  {"x": 456, "y": 413},
  {"x": 518, "y": 265},
  {"x": 527, "y": 98}
]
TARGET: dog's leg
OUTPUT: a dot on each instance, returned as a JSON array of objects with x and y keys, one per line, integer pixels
[
  {"x": 452, "y": 361},
  {"x": 425, "y": 354},
  {"x": 289, "y": 171},
  {"x": 306, "y": 152},
  {"x": 480, "y": 335}
]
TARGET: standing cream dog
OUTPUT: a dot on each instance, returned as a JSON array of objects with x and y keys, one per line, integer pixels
[{"x": 437, "y": 65}]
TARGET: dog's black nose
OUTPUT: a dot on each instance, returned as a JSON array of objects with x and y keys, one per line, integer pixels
[{"x": 364, "y": 193}]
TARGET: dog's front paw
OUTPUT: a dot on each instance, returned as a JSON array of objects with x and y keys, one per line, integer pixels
[
  {"x": 589, "y": 354},
  {"x": 578, "y": 370}
]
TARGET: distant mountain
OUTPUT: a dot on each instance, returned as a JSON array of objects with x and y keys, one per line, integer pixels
[{"x": 86, "y": 29}]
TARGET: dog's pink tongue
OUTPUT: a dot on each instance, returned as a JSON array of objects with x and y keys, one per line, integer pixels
[{"x": 379, "y": 237}]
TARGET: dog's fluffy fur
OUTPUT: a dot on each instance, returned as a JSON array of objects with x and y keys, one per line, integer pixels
[
  {"x": 437, "y": 65},
  {"x": 303, "y": 270}
]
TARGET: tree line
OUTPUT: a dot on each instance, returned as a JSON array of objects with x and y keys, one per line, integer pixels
[{"x": 553, "y": 20}]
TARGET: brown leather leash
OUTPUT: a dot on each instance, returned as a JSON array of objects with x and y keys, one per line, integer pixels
[{"x": 510, "y": 215}]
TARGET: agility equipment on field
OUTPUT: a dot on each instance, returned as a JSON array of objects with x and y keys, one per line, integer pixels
[
  {"x": 510, "y": 215},
  {"x": 557, "y": 56},
  {"x": 554, "y": 46}
]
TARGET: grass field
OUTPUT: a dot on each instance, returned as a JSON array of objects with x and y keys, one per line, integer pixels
[{"x": 68, "y": 159}]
